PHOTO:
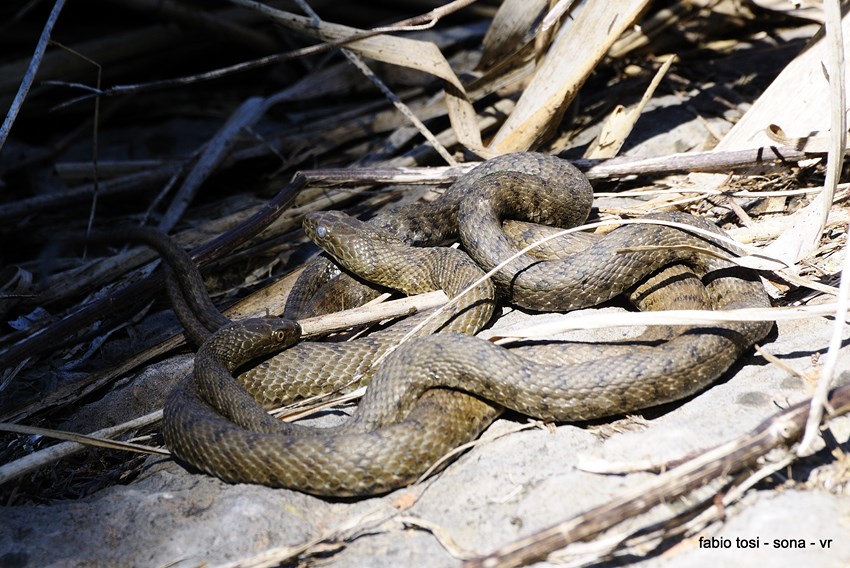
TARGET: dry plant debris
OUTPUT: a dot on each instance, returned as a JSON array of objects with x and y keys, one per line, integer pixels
[{"x": 224, "y": 123}]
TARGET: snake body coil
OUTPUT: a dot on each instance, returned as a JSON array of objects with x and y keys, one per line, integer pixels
[{"x": 431, "y": 394}]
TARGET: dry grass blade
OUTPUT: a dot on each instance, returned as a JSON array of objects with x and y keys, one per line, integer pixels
[
  {"x": 835, "y": 50},
  {"x": 836, "y": 76},
  {"x": 399, "y": 104},
  {"x": 830, "y": 364},
  {"x": 511, "y": 23},
  {"x": 812, "y": 142},
  {"x": 753, "y": 261},
  {"x": 454, "y": 301},
  {"x": 619, "y": 124},
  {"x": 86, "y": 439},
  {"x": 569, "y": 62},
  {"x": 347, "y": 319},
  {"x": 420, "y": 55},
  {"x": 441, "y": 533}
]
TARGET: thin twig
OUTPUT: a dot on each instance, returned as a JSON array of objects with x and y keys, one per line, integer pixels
[
  {"x": 29, "y": 76},
  {"x": 358, "y": 62},
  {"x": 594, "y": 169},
  {"x": 17, "y": 468},
  {"x": 95, "y": 127}
]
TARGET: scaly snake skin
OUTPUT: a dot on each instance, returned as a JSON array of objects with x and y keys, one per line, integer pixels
[{"x": 417, "y": 407}]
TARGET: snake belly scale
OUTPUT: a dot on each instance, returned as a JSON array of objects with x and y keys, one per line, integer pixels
[{"x": 440, "y": 391}]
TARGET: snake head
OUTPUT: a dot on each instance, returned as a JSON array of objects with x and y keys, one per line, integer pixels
[
  {"x": 349, "y": 240},
  {"x": 282, "y": 332},
  {"x": 240, "y": 341},
  {"x": 325, "y": 228}
]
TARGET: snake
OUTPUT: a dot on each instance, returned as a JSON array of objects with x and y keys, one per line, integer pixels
[{"x": 439, "y": 391}]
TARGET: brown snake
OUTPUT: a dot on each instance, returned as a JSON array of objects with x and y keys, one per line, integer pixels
[{"x": 417, "y": 407}]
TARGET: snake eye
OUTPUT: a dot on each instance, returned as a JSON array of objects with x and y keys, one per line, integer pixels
[{"x": 321, "y": 231}]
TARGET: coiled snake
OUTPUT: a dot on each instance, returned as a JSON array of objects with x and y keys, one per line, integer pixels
[{"x": 437, "y": 392}]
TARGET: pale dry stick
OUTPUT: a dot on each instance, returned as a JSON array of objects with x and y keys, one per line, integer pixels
[
  {"x": 29, "y": 76},
  {"x": 320, "y": 325},
  {"x": 830, "y": 362},
  {"x": 777, "y": 362},
  {"x": 88, "y": 439},
  {"x": 593, "y": 169},
  {"x": 337, "y": 321},
  {"x": 835, "y": 159},
  {"x": 371, "y": 312},
  {"x": 607, "y": 168},
  {"x": 689, "y": 162},
  {"x": 27, "y": 464},
  {"x": 317, "y": 403},
  {"x": 705, "y": 192},
  {"x": 666, "y": 317}
]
